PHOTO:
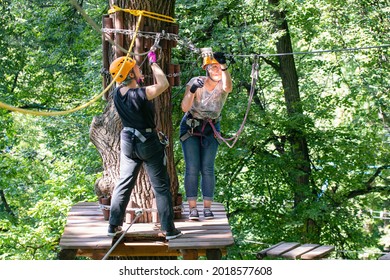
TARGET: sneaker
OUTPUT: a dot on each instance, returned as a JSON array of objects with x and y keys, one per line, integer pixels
[
  {"x": 114, "y": 230},
  {"x": 208, "y": 214},
  {"x": 173, "y": 234},
  {"x": 194, "y": 215}
]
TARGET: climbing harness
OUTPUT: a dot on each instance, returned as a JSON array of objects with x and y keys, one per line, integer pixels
[
  {"x": 163, "y": 138},
  {"x": 137, "y": 133},
  {"x": 194, "y": 123},
  {"x": 165, "y": 142}
]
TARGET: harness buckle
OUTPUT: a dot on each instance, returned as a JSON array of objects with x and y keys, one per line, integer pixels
[
  {"x": 192, "y": 123},
  {"x": 136, "y": 132}
]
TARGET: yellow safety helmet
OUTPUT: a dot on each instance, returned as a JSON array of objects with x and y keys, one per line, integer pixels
[
  {"x": 207, "y": 60},
  {"x": 117, "y": 64}
]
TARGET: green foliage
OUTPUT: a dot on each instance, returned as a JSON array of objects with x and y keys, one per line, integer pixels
[
  {"x": 52, "y": 60},
  {"x": 42, "y": 176}
]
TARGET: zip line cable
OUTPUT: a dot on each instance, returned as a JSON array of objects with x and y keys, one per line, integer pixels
[
  {"x": 314, "y": 52},
  {"x": 160, "y": 17}
]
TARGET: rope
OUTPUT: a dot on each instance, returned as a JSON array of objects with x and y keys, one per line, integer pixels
[
  {"x": 315, "y": 52},
  {"x": 40, "y": 113},
  {"x": 254, "y": 75},
  {"x": 152, "y": 15}
]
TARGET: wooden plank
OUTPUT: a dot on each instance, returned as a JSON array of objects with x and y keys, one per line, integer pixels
[
  {"x": 85, "y": 235},
  {"x": 120, "y": 251},
  {"x": 85, "y": 244},
  {"x": 146, "y": 244},
  {"x": 263, "y": 253},
  {"x": 83, "y": 220},
  {"x": 203, "y": 223},
  {"x": 84, "y": 204},
  {"x": 85, "y": 212},
  {"x": 202, "y": 232},
  {"x": 215, "y": 205},
  {"x": 318, "y": 252},
  {"x": 189, "y": 254},
  {"x": 385, "y": 257},
  {"x": 85, "y": 238},
  {"x": 198, "y": 245},
  {"x": 282, "y": 248},
  {"x": 202, "y": 237},
  {"x": 297, "y": 252}
]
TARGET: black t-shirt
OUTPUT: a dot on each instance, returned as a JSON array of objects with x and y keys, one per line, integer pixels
[{"x": 134, "y": 109}]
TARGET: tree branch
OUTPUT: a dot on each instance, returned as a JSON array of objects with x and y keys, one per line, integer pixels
[
  {"x": 6, "y": 205},
  {"x": 274, "y": 65},
  {"x": 369, "y": 185},
  {"x": 225, "y": 13}
]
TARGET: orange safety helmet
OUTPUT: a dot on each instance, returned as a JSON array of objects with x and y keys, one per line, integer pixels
[
  {"x": 116, "y": 66},
  {"x": 207, "y": 60}
]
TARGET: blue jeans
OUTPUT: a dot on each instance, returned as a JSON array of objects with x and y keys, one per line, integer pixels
[
  {"x": 134, "y": 153},
  {"x": 199, "y": 156}
]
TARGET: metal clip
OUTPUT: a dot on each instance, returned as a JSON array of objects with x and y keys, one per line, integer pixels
[
  {"x": 157, "y": 42},
  {"x": 255, "y": 68},
  {"x": 163, "y": 138},
  {"x": 206, "y": 52},
  {"x": 192, "y": 123}
]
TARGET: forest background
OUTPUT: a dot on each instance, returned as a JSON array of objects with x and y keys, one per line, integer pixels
[{"x": 52, "y": 60}]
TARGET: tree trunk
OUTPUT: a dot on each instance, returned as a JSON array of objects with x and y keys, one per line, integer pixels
[
  {"x": 105, "y": 129},
  {"x": 300, "y": 171}
]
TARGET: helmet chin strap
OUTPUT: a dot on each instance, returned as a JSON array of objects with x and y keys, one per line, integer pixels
[
  {"x": 139, "y": 82},
  {"x": 127, "y": 81},
  {"x": 130, "y": 77}
]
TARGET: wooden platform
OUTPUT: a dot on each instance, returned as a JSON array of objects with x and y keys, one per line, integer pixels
[
  {"x": 294, "y": 250},
  {"x": 85, "y": 234},
  {"x": 385, "y": 257}
]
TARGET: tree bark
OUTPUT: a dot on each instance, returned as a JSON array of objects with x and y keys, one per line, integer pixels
[
  {"x": 105, "y": 129},
  {"x": 288, "y": 73},
  {"x": 300, "y": 169}
]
